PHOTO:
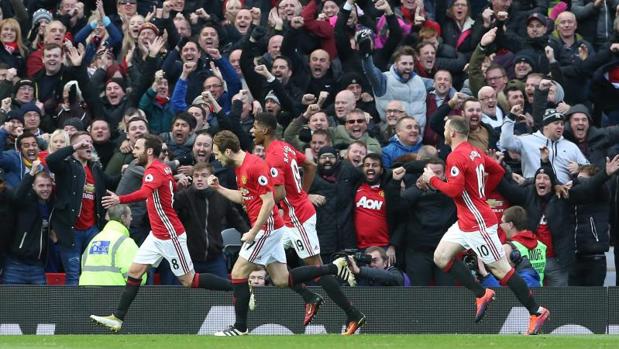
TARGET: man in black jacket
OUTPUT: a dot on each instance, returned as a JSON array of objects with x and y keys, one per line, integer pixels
[
  {"x": 431, "y": 213},
  {"x": 332, "y": 192},
  {"x": 78, "y": 213},
  {"x": 25, "y": 263},
  {"x": 204, "y": 214}
]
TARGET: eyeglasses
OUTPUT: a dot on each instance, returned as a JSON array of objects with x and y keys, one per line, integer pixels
[
  {"x": 327, "y": 157},
  {"x": 127, "y": 2},
  {"x": 355, "y": 121}
]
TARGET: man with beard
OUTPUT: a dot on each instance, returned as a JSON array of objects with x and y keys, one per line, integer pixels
[
  {"x": 469, "y": 172},
  {"x": 17, "y": 162},
  {"x": 594, "y": 142},
  {"x": 300, "y": 216},
  {"x": 167, "y": 238},
  {"x": 263, "y": 242},
  {"x": 375, "y": 211},
  {"x": 399, "y": 83},
  {"x": 551, "y": 135},
  {"x": 78, "y": 213},
  {"x": 481, "y": 135}
]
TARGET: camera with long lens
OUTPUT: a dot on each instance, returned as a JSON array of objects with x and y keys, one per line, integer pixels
[{"x": 360, "y": 257}]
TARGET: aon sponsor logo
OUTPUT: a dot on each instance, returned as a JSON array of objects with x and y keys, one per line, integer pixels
[{"x": 369, "y": 204}]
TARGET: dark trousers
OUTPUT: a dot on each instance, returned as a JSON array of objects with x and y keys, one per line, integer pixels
[
  {"x": 422, "y": 271},
  {"x": 588, "y": 270}
]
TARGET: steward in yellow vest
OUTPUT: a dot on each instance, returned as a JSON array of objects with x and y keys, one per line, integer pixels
[{"x": 109, "y": 254}]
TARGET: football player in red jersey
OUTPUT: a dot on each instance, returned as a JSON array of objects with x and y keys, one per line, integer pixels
[
  {"x": 468, "y": 169},
  {"x": 167, "y": 238},
  {"x": 262, "y": 243},
  {"x": 290, "y": 189}
]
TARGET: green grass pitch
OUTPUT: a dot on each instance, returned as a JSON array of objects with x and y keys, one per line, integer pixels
[{"x": 301, "y": 342}]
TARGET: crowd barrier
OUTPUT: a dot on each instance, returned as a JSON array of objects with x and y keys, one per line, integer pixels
[{"x": 177, "y": 310}]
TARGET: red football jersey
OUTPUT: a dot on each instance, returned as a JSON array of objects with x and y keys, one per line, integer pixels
[
  {"x": 371, "y": 216},
  {"x": 158, "y": 187},
  {"x": 253, "y": 180},
  {"x": 284, "y": 160},
  {"x": 466, "y": 171}
]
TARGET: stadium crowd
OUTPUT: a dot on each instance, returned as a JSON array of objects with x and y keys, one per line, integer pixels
[{"x": 360, "y": 87}]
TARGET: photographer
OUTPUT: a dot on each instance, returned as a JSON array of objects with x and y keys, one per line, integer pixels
[{"x": 378, "y": 272}]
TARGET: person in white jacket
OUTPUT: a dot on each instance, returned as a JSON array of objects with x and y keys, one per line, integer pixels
[{"x": 562, "y": 151}]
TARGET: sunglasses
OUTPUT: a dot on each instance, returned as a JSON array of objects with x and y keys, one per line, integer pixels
[{"x": 355, "y": 121}]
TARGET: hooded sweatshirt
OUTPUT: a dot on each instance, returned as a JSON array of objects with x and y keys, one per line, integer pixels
[{"x": 562, "y": 151}]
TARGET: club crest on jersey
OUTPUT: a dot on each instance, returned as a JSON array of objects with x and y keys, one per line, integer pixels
[
  {"x": 149, "y": 178},
  {"x": 454, "y": 171},
  {"x": 474, "y": 155},
  {"x": 274, "y": 172},
  {"x": 262, "y": 180},
  {"x": 244, "y": 179}
]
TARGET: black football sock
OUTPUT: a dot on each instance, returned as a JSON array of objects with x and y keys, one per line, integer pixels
[
  {"x": 308, "y": 296},
  {"x": 460, "y": 272},
  {"x": 521, "y": 290},
  {"x": 211, "y": 282},
  {"x": 241, "y": 303},
  {"x": 127, "y": 297},
  {"x": 309, "y": 272},
  {"x": 332, "y": 287}
]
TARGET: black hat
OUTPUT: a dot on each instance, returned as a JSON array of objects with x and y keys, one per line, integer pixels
[
  {"x": 75, "y": 122},
  {"x": 349, "y": 79},
  {"x": 578, "y": 108},
  {"x": 547, "y": 171},
  {"x": 539, "y": 17},
  {"x": 15, "y": 115},
  {"x": 28, "y": 107},
  {"x": 24, "y": 82},
  {"x": 118, "y": 81},
  {"x": 328, "y": 150},
  {"x": 525, "y": 56},
  {"x": 550, "y": 116}
]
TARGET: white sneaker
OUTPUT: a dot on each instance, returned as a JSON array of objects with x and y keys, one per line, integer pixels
[
  {"x": 344, "y": 272},
  {"x": 230, "y": 332},
  {"x": 111, "y": 322}
]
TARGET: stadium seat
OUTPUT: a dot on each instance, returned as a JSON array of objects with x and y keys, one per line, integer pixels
[
  {"x": 55, "y": 279},
  {"x": 232, "y": 245}
]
